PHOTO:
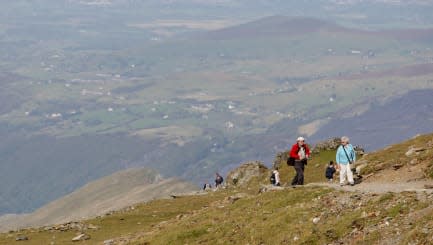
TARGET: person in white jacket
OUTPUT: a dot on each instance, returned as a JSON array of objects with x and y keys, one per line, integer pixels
[{"x": 277, "y": 177}]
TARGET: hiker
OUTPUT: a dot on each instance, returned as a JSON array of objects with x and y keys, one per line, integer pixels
[
  {"x": 207, "y": 187},
  {"x": 218, "y": 180},
  {"x": 345, "y": 157},
  {"x": 275, "y": 178},
  {"x": 330, "y": 170},
  {"x": 299, "y": 155}
]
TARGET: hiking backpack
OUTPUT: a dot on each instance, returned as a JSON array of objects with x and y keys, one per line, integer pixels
[{"x": 272, "y": 178}]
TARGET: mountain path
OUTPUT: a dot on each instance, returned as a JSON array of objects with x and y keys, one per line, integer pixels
[{"x": 382, "y": 187}]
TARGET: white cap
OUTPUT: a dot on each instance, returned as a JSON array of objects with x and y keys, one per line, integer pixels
[{"x": 300, "y": 139}]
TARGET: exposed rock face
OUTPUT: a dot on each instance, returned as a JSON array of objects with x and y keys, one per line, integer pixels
[
  {"x": 246, "y": 172},
  {"x": 333, "y": 144},
  {"x": 279, "y": 159},
  {"x": 330, "y": 144},
  {"x": 415, "y": 150}
]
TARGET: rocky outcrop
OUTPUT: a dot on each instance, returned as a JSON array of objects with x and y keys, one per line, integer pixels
[
  {"x": 279, "y": 159},
  {"x": 242, "y": 175},
  {"x": 333, "y": 144},
  {"x": 327, "y": 145}
]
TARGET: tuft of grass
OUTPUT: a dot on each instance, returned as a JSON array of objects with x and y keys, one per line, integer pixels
[
  {"x": 192, "y": 234},
  {"x": 386, "y": 197},
  {"x": 397, "y": 210}
]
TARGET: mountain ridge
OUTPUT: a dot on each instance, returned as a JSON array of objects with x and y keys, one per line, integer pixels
[
  {"x": 113, "y": 192},
  {"x": 286, "y": 26}
]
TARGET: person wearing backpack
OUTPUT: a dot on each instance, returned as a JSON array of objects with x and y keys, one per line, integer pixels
[
  {"x": 275, "y": 178},
  {"x": 330, "y": 170},
  {"x": 218, "y": 180},
  {"x": 272, "y": 178},
  {"x": 299, "y": 153},
  {"x": 207, "y": 187},
  {"x": 345, "y": 157}
]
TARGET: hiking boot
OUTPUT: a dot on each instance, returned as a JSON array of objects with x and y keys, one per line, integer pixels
[
  {"x": 341, "y": 184},
  {"x": 352, "y": 184}
]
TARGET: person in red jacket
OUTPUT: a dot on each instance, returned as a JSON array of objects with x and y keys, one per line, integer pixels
[{"x": 300, "y": 152}]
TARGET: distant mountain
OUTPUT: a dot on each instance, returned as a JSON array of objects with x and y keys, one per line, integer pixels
[
  {"x": 273, "y": 26},
  {"x": 284, "y": 26},
  {"x": 110, "y": 193},
  {"x": 384, "y": 124}
]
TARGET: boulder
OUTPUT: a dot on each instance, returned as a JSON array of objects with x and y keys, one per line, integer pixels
[
  {"x": 21, "y": 238},
  {"x": 81, "y": 237},
  {"x": 92, "y": 227},
  {"x": 242, "y": 175},
  {"x": 234, "y": 198},
  {"x": 109, "y": 242},
  {"x": 414, "y": 150}
]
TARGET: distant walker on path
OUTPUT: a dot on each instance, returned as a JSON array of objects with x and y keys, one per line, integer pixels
[{"x": 218, "y": 180}]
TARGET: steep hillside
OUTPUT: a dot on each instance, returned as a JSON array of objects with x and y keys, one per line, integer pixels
[
  {"x": 31, "y": 164},
  {"x": 107, "y": 194},
  {"x": 250, "y": 211},
  {"x": 384, "y": 123},
  {"x": 409, "y": 161}
]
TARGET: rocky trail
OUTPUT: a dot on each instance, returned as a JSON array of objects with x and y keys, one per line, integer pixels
[{"x": 379, "y": 187}]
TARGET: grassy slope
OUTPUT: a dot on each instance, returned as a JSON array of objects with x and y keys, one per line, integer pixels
[
  {"x": 285, "y": 217},
  {"x": 396, "y": 155},
  {"x": 281, "y": 216}
]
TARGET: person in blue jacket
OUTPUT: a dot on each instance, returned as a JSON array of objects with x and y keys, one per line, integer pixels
[{"x": 345, "y": 156}]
